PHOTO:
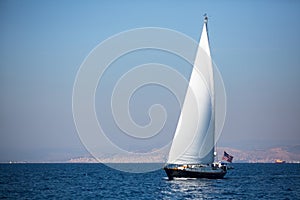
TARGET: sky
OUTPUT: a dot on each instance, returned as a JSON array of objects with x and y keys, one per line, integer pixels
[{"x": 255, "y": 45}]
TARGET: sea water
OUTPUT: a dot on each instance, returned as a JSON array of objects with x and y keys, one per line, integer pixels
[{"x": 97, "y": 181}]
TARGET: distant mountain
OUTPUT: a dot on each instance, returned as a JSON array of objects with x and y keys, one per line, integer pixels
[
  {"x": 291, "y": 154},
  {"x": 115, "y": 158}
]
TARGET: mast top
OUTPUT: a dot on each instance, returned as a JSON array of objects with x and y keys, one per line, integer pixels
[{"x": 205, "y": 18}]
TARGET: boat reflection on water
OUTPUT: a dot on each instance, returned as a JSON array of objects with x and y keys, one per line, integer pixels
[{"x": 189, "y": 188}]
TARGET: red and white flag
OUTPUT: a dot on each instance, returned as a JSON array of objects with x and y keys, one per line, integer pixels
[{"x": 227, "y": 157}]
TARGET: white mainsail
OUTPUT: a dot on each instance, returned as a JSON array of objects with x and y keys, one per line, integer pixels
[{"x": 193, "y": 141}]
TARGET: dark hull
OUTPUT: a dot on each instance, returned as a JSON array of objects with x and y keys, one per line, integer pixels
[{"x": 182, "y": 173}]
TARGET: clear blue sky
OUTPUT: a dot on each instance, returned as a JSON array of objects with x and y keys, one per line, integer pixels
[{"x": 255, "y": 44}]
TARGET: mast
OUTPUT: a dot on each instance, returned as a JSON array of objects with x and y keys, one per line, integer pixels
[{"x": 212, "y": 90}]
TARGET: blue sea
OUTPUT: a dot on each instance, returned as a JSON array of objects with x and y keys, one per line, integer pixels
[{"x": 97, "y": 181}]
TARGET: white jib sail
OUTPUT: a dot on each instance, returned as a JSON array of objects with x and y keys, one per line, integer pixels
[{"x": 193, "y": 141}]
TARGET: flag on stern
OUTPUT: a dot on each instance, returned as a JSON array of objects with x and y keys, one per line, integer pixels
[{"x": 227, "y": 157}]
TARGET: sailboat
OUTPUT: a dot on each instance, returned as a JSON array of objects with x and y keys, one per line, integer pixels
[{"x": 192, "y": 153}]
